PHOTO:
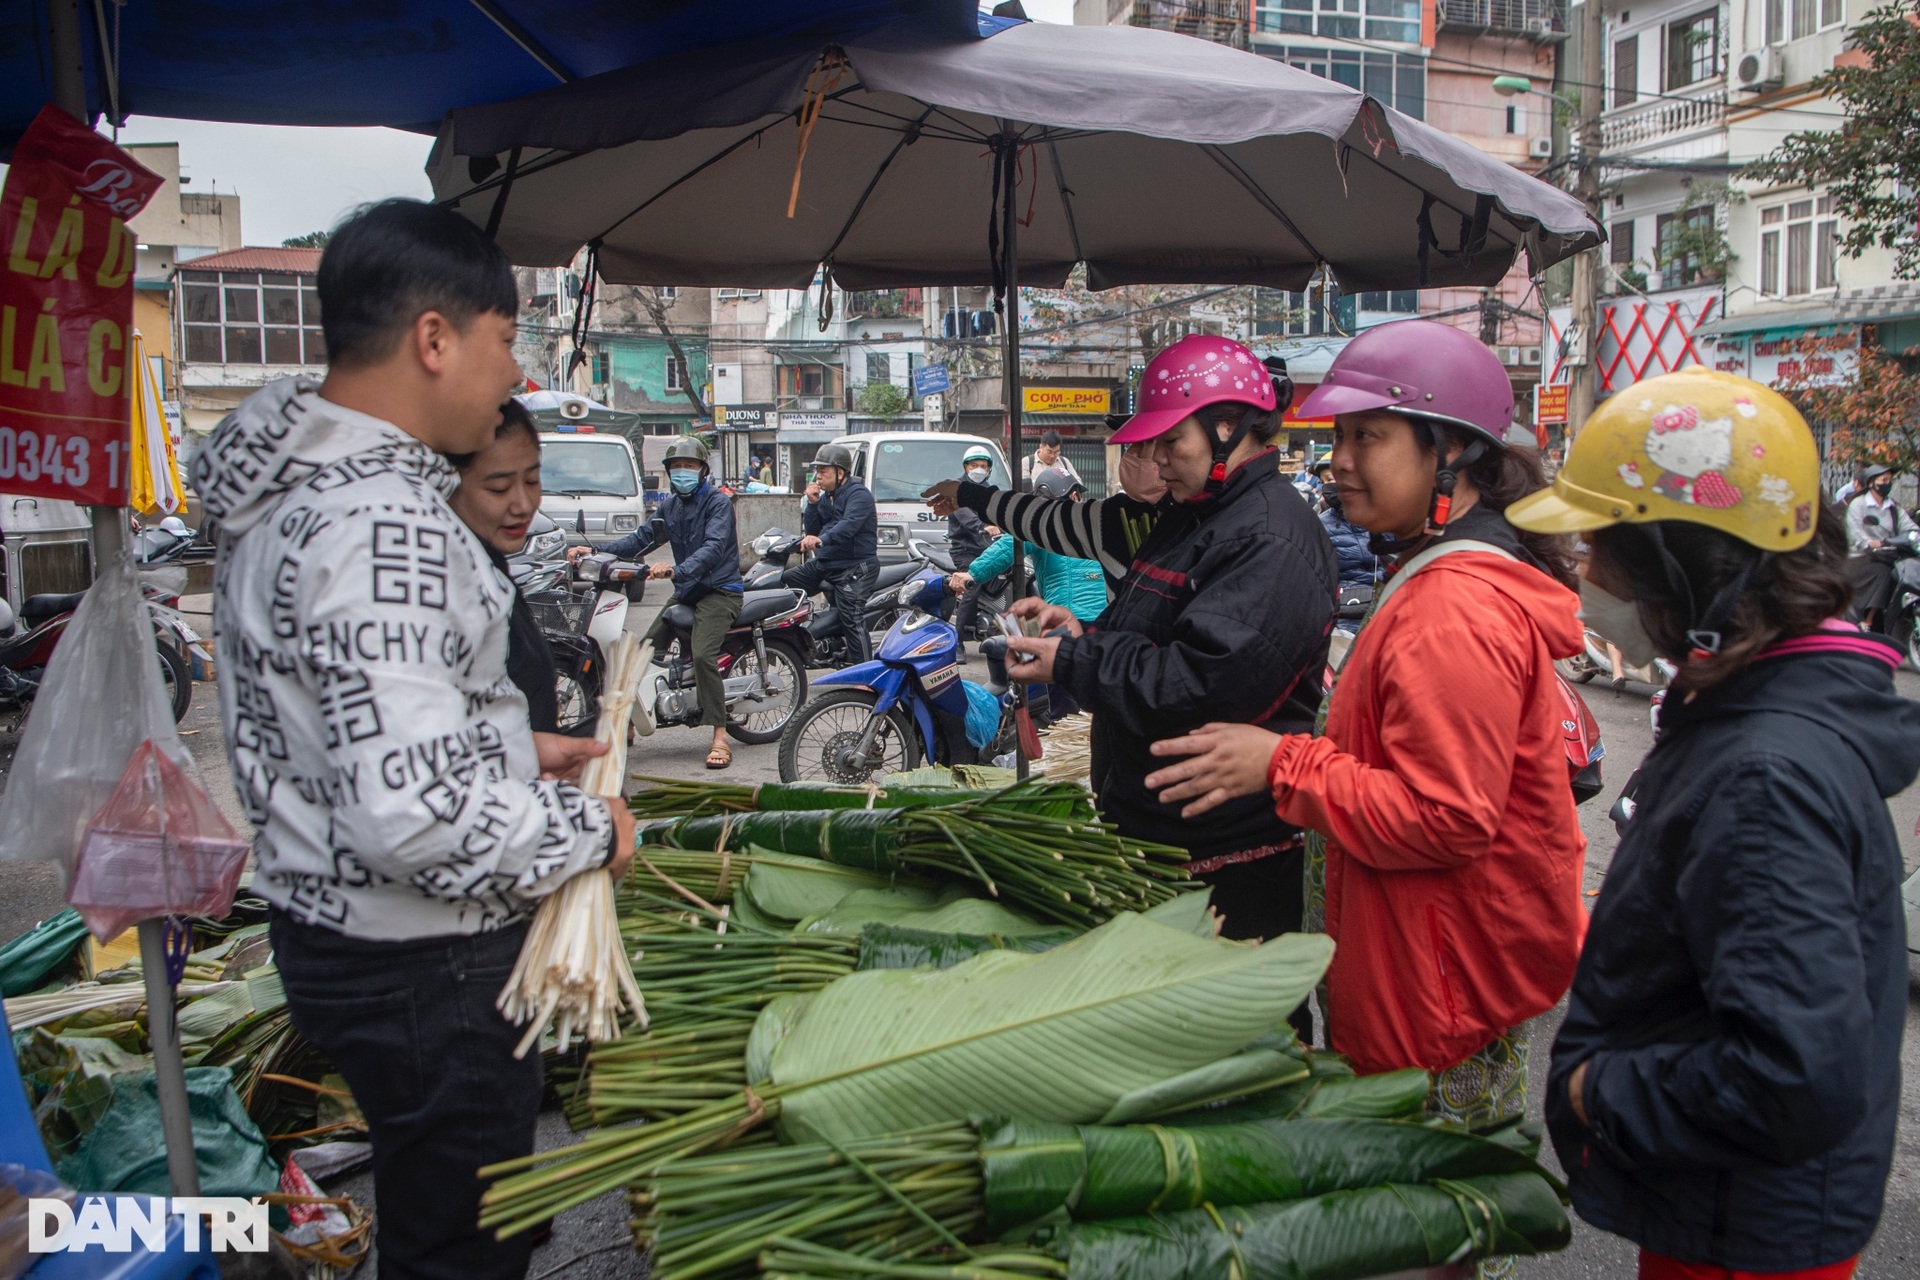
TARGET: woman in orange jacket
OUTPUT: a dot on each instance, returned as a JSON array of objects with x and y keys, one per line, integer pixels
[{"x": 1453, "y": 856}]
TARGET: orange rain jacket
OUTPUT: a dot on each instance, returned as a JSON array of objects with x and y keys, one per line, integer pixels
[{"x": 1454, "y": 855}]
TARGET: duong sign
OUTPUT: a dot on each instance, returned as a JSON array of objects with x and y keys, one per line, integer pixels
[
  {"x": 113, "y": 1223},
  {"x": 66, "y": 312}
]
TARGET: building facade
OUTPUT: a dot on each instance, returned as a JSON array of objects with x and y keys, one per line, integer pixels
[
  {"x": 242, "y": 319},
  {"x": 176, "y": 227}
]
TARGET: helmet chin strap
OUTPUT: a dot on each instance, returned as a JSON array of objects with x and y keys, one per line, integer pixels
[{"x": 1223, "y": 449}]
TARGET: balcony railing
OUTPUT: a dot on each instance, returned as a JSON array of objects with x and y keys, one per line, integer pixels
[
  {"x": 1663, "y": 119},
  {"x": 835, "y": 403},
  {"x": 883, "y": 304},
  {"x": 1221, "y": 21},
  {"x": 1540, "y": 19}
]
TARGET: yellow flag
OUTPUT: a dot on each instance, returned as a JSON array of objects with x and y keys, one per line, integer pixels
[{"x": 156, "y": 481}]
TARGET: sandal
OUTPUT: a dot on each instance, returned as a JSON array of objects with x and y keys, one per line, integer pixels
[{"x": 720, "y": 757}]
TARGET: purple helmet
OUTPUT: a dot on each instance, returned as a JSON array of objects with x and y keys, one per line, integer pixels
[{"x": 1422, "y": 368}]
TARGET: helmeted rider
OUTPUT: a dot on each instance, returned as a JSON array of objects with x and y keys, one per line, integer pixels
[
  {"x": 1224, "y": 593},
  {"x": 1725, "y": 1088},
  {"x": 705, "y": 573},
  {"x": 1880, "y": 539},
  {"x": 968, "y": 536},
  {"x": 1439, "y": 790},
  {"x": 843, "y": 531}
]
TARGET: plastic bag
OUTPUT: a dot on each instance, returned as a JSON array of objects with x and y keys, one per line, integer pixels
[
  {"x": 18, "y": 1185},
  {"x": 157, "y": 848},
  {"x": 164, "y": 849},
  {"x": 126, "y": 1150}
]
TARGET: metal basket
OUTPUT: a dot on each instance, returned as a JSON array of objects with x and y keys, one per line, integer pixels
[{"x": 565, "y": 615}]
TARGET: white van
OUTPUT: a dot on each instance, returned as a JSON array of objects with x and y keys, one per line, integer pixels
[
  {"x": 590, "y": 483},
  {"x": 899, "y": 466}
]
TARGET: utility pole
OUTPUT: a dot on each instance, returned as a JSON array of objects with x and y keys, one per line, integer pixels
[{"x": 1582, "y": 328}]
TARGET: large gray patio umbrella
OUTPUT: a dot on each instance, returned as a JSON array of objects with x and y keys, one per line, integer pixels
[{"x": 901, "y": 157}]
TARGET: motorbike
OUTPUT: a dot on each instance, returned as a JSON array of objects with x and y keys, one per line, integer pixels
[
  {"x": 907, "y": 705},
  {"x": 27, "y": 642},
  {"x": 778, "y": 549},
  {"x": 1901, "y": 622}
]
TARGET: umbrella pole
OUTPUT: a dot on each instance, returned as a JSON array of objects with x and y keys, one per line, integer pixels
[{"x": 1009, "y": 160}]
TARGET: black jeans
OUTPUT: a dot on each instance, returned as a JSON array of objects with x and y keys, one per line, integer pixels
[
  {"x": 847, "y": 591},
  {"x": 413, "y": 1029},
  {"x": 1264, "y": 899}
]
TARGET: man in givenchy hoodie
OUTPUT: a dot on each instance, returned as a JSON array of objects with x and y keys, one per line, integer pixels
[{"x": 407, "y": 820}]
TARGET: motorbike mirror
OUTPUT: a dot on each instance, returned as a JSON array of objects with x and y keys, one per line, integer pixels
[{"x": 657, "y": 530}]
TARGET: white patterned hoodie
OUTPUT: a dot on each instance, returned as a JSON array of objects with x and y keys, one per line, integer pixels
[{"x": 382, "y": 753}]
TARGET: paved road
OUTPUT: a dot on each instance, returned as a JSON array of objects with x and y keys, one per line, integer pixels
[{"x": 589, "y": 1243}]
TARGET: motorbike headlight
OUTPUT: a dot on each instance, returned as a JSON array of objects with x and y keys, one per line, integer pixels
[
  {"x": 548, "y": 545},
  {"x": 589, "y": 569}
]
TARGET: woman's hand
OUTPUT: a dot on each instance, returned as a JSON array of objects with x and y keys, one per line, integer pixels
[
  {"x": 1224, "y": 761},
  {"x": 563, "y": 757},
  {"x": 943, "y": 497},
  {"x": 1030, "y": 659},
  {"x": 1047, "y": 617}
]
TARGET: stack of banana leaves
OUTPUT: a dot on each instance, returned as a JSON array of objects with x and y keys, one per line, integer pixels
[{"x": 831, "y": 1033}]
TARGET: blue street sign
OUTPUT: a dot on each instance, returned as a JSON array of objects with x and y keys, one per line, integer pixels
[{"x": 931, "y": 379}]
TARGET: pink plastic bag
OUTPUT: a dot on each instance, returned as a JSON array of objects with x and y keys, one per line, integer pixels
[{"x": 158, "y": 847}]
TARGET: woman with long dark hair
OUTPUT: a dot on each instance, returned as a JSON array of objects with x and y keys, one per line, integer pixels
[
  {"x": 1726, "y": 1085},
  {"x": 1447, "y": 857}
]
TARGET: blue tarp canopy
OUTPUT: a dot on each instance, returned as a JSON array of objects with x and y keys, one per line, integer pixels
[{"x": 403, "y": 63}]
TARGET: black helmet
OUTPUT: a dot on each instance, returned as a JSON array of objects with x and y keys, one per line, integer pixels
[
  {"x": 833, "y": 455},
  {"x": 1052, "y": 482},
  {"x": 684, "y": 449}
]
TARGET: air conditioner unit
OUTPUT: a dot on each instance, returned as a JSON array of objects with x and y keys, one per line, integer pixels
[
  {"x": 1539, "y": 26},
  {"x": 1510, "y": 355},
  {"x": 1540, "y": 148},
  {"x": 1530, "y": 355},
  {"x": 1759, "y": 71}
]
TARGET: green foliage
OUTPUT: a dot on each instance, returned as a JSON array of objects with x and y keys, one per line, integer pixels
[
  {"x": 883, "y": 400},
  {"x": 1876, "y": 148},
  {"x": 311, "y": 240},
  {"x": 1695, "y": 249},
  {"x": 1874, "y": 416}
]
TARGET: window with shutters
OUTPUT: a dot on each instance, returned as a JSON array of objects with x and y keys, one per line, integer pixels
[
  {"x": 1620, "y": 243},
  {"x": 1693, "y": 50},
  {"x": 1626, "y": 71}
]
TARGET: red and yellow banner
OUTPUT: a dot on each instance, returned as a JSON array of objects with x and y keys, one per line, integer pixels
[{"x": 66, "y": 312}]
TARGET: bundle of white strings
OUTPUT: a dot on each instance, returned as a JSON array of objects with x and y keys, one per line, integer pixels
[{"x": 573, "y": 973}]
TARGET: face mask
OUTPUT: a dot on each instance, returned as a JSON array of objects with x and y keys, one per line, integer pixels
[
  {"x": 1617, "y": 622},
  {"x": 1140, "y": 479},
  {"x": 979, "y": 474},
  {"x": 684, "y": 479},
  {"x": 1883, "y": 489}
]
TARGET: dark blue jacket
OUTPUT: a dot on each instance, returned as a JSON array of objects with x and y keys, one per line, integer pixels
[
  {"x": 1359, "y": 567},
  {"x": 1743, "y": 988},
  {"x": 847, "y": 525},
  {"x": 706, "y": 548}
]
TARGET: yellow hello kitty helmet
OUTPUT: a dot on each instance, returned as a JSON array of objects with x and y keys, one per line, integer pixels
[{"x": 1691, "y": 445}]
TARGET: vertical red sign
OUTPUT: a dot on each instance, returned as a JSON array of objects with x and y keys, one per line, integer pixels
[{"x": 66, "y": 311}]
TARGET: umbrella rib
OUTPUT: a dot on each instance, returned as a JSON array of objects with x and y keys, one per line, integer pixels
[
  {"x": 522, "y": 37},
  {"x": 1448, "y": 204},
  {"x": 910, "y": 135},
  {"x": 1066, "y": 199},
  {"x": 1259, "y": 193},
  {"x": 689, "y": 175}
]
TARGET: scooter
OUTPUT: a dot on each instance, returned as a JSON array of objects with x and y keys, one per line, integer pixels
[
  {"x": 777, "y": 554},
  {"x": 27, "y": 643},
  {"x": 763, "y": 667},
  {"x": 908, "y": 705}
]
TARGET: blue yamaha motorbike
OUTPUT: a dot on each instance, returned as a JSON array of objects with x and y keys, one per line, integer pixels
[{"x": 907, "y": 706}]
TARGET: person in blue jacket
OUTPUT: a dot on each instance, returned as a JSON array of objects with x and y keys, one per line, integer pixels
[
  {"x": 843, "y": 531},
  {"x": 1359, "y": 567},
  {"x": 705, "y": 573}
]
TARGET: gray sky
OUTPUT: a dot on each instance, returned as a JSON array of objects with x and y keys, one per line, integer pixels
[{"x": 292, "y": 181}]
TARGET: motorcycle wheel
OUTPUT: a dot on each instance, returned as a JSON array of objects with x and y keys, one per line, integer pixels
[
  {"x": 1913, "y": 643},
  {"x": 783, "y": 666},
  {"x": 178, "y": 679},
  {"x": 833, "y": 722},
  {"x": 1579, "y": 668}
]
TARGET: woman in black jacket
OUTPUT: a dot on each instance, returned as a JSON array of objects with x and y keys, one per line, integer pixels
[
  {"x": 1725, "y": 1087},
  {"x": 499, "y": 495},
  {"x": 1222, "y": 602}
]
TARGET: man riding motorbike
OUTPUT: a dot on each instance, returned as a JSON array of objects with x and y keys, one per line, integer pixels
[
  {"x": 967, "y": 536},
  {"x": 1879, "y": 538},
  {"x": 705, "y": 573},
  {"x": 843, "y": 530}
]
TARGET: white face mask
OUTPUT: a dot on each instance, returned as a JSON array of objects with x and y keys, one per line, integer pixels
[
  {"x": 979, "y": 474},
  {"x": 1617, "y": 622}
]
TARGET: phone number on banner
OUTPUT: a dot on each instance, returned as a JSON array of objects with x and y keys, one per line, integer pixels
[{"x": 61, "y": 459}]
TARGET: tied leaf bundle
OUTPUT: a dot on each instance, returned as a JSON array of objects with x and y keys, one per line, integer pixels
[
  {"x": 573, "y": 973},
  {"x": 1078, "y": 873},
  {"x": 933, "y": 1191},
  {"x": 1060, "y": 1035},
  {"x": 679, "y": 798}
]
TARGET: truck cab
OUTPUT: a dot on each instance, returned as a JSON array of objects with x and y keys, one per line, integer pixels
[
  {"x": 899, "y": 466},
  {"x": 590, "y": 483}
]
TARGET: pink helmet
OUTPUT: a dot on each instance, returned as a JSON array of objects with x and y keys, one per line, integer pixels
[
  {"x": 1423, "y": 368},
  {"x": 1190, "y": 375}
]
